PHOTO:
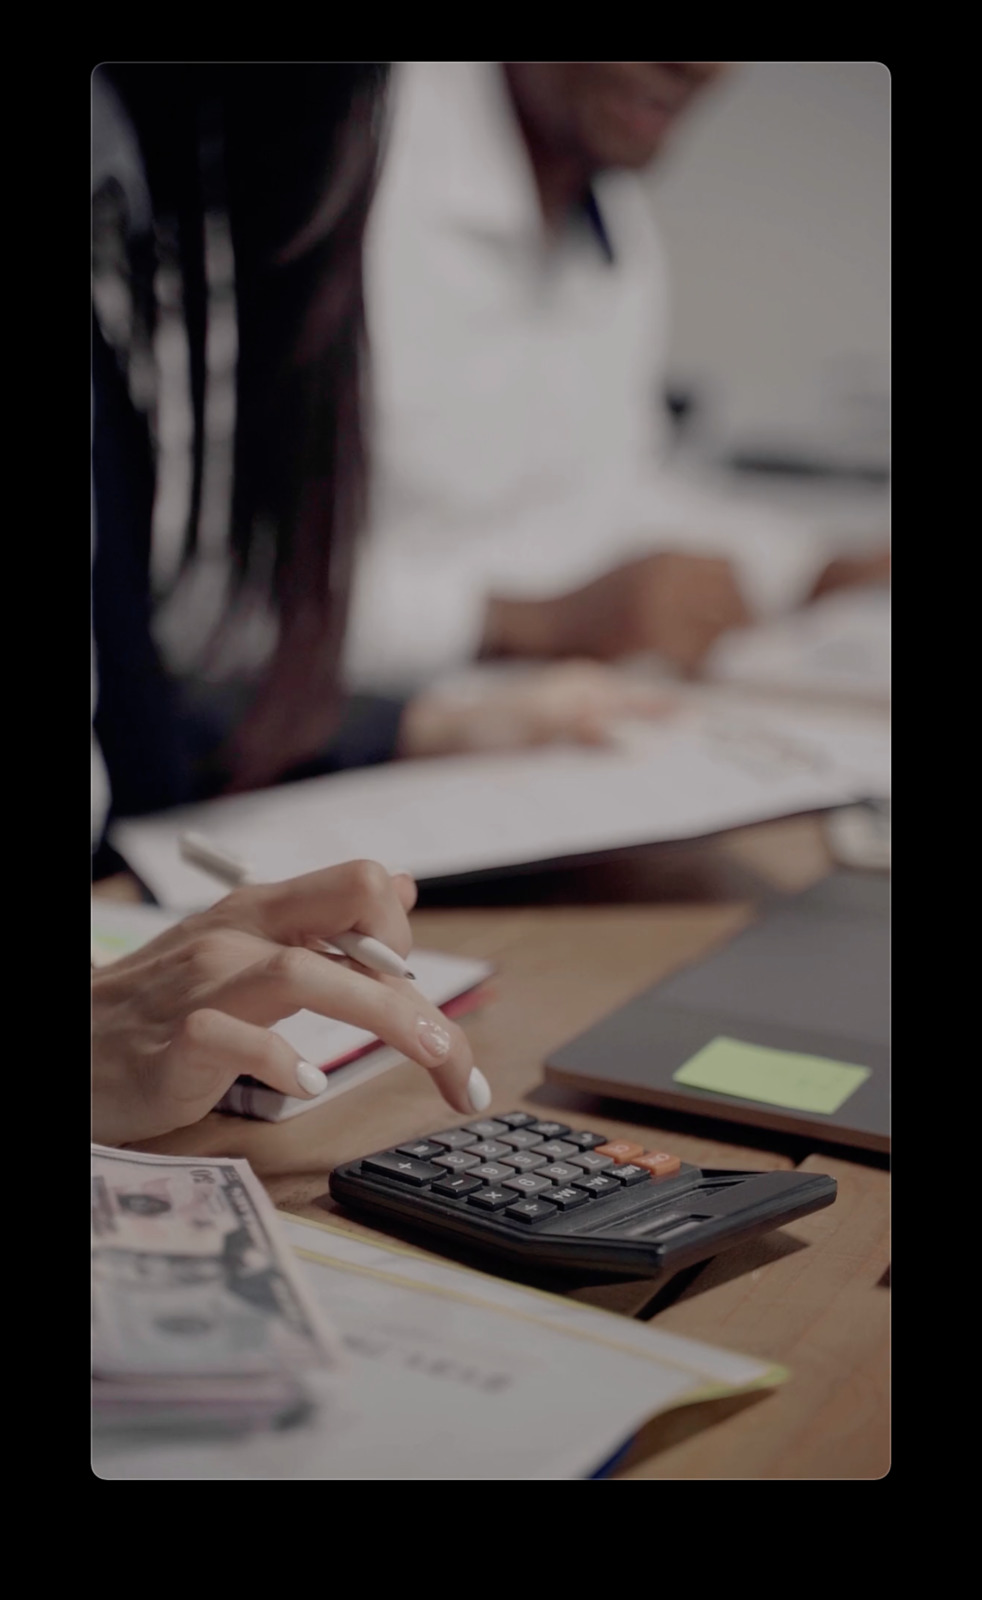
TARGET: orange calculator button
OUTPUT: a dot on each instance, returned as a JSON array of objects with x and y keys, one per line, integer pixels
[
  {"x": 621, "y": 1151},
  {"x": 658, "y": 1162}
]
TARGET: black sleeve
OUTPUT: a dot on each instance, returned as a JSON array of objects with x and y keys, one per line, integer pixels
[
  {"x": 367, "y": 734},
  {"x": 368, "y": 731}
]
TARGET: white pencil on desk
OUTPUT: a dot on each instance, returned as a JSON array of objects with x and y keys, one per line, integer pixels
[{"x": 227, "y": 869}]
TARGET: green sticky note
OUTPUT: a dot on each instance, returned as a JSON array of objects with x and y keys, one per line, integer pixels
[{"x": 777, "y": 1077}]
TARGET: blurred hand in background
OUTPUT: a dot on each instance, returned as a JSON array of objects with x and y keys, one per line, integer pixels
[{"x": 578, "y": 702}]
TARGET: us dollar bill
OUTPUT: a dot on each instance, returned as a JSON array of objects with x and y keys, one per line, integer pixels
[{"x": 191, "y": 1279}]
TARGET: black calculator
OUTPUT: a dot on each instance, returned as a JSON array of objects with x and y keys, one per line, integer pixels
[{"x": 524, "y": 1191}]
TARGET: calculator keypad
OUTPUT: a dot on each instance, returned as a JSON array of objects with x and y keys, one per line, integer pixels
[
  {"x": 620, "y": 1150},
  {"x": 492, "y": 1172},
  {"x": 627, "y": 1176},
  {"x": 659, "y": 1163},
  {"x": 453, "y": 1138},
  {"x": 457, "y": 1188},
  {"x": 590, "y": 1161},
  {"x": 524, "y": 1161},
  {"x": 583, "y": 1140},
  {"x": 531, "y": 1211},
  {"x": 560, "y": 1172},
  {"x": 567, "y": 1199},
  {"x": 520, "y": 1168},
  {"x": 456, "y": 1161},
  {"x": 555, "y": 1149},
  {"x": 488, "y": 1149},
  {"x": 599, "y": 1184},
  {"x": 491, "y": 1199},
  {"x": 422, "y": 1149},
  {"x": 521, "y": 1139},
  {"x": 404, "y": 1169},
  {"x": 527, "y": 1183},
  {"x": 611, "y": 1208}
]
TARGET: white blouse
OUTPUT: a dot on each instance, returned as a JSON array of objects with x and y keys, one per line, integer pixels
[{"x": 518, "y": 443}]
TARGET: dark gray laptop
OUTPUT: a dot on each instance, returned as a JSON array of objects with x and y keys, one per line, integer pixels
[{"x": 811, "y": 977}]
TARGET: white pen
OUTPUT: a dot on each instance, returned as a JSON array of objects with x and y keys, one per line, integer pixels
[{"x": 229, "y": 870}]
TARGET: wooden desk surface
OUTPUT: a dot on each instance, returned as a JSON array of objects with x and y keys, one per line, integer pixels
[{"x": 814, "y": 1297}]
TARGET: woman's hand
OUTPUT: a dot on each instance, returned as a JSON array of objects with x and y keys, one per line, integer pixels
[
  {"x": 178, "y": 1021},
  {"x": 670, "y": 604},
  {"x": 854, "y": 572},
  {"x": 578, "y": 702}
]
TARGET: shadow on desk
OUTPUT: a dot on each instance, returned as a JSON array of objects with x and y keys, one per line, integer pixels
[
  {"x": 735, "y": 866},
  {"x": 642, "y": 1298},
  {"x": 742, "y": 1260}
]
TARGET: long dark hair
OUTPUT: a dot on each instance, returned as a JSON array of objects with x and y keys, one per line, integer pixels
[{"x": 288, "y": 152}]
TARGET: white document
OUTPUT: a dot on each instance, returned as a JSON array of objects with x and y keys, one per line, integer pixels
[
  {"x": 697, "y": 773},
  {"x": 455, "y": 1375},
  {"x": 117, "y": 930},
  {"x": 839, "y": 647}
]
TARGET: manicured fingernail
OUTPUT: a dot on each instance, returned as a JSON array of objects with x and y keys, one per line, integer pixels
[
  {"x": 434, "y": 1038},
  {"x": 478, "y": 1090},
  {"x": 310, "y": 1079},
  {"x": 401, "y": 872}
]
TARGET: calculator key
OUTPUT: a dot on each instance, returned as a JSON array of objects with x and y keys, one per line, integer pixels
[
  {"x": 566, "y": 1199},
  {"x": 629, "y": 1174},
  {"x": 405, "y": 1169},
  {"x": 620, "y": 1150},
  {"x": 524, "y": 1161},
  {"x": 422, "y": 1149},
  {"x": 584, "y": 1141},
  {"x": 520, "y": 1139},
  {"x": 589, "y": 1161},
  {"x": 453, "y": 1138},
  {"x": 555, "y": 1149},
  {"x": 516, "y": 1119},
  {"x": 531, "y": 1211},
  {"x": 527, "y": 1183},
  {"x": 491, "y": 1199},
  {"x": 488, "y": 1149},
  {"x": 488, "y": 1129},
  {"x": 456, "y": 1161},
  {"x": 492, "y": 1172},
  {"x": 560, "y": 1172},
  {"x": 548, "y": 1130},
  {"x": 599, "y": 1185},
  {"x": 659, "y": 1163},
  {"x": 457, "y": 1188}
]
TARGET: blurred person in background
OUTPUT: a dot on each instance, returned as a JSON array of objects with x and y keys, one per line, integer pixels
[
  {"x": 229, "y": 206},
  {"x": 518, "y": 315},
  {"x": 227, "y": 481},
  {"x": 228, "y": 486}
]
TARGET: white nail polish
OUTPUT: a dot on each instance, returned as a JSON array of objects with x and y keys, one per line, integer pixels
[
  {"x": 478, "y": 1090},
  {"x": 310, "y": 1079},
  {"x": 434, "y": 1038}
]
